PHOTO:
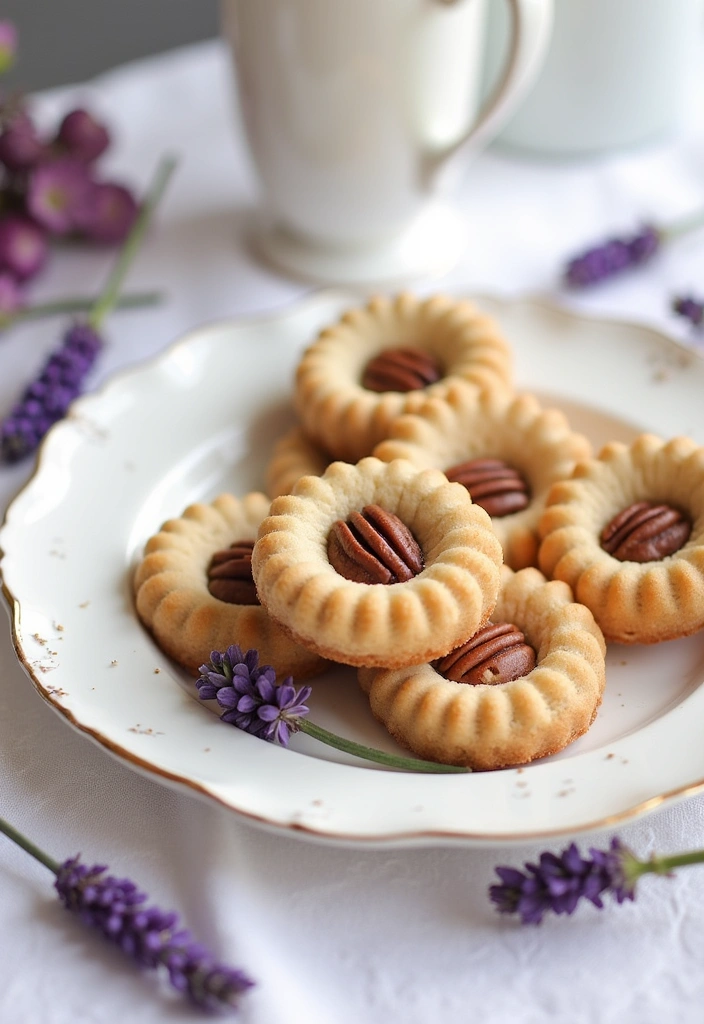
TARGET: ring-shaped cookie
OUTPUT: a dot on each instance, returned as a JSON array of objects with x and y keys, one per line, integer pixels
[
  {"x": 633, "y": 602},
  {"x": 378, "y": 624},
  {"x": 487, "y": 726},
  {"x": 468, "y": 424},
  {"x": 347, "y": 418},
  {"x": 174, "y": 603},
  {"x": 294, "y": 456}
]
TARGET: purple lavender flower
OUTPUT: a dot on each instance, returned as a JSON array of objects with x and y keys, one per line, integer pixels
[
  {"x": 612, "y": 257},
  {"x": 558, "y": 883},
  {"x": 10, "y": 295},
  {"x": 8, "y": 45},
  {"x": 82, "y": 137},
  {"x": 249, "y": 696},
  {"x": 23, "y": 246},
  {"x": 48, "y": 397},
  {"x": 282, "y": 709},
  {"x": 151, "y": 937},
  {"x": 690, "y": 308},
  {"x": 56, "y": 194},
  {"x": 253, "y": 702},
  {"x": 20, "y": 146},
  {"x": 107, "y": 213}
]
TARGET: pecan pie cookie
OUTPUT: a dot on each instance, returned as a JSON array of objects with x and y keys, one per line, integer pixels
[
  {"x": 506, "y": 450},
  {"x": 194, "y": 589},
  {"x": 377, "y": 563},
  {"x": 525, "y": 686},
  {"x": 380, "y": 360},
  {"x": 294, "y": 456},
  {"x": 627, "y": 533}
]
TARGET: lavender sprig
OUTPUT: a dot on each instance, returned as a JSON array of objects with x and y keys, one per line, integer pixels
[
  {"x": 557, "y": 883},
  {"x": 47, "y": 399},
  {"x": 612, "y": 257},
  {"x": 690, "y": 308},
  {"x": 252, "y": 701},
  {"x": 151, "y": 937},
  {"x": 607, "y": 259}
]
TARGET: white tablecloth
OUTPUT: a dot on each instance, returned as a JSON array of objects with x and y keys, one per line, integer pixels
[{"x": 331, "y": 934}]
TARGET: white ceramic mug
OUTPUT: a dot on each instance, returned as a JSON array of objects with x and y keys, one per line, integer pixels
[
  {"x": 618, "y": 73},
  {"x": 354, "y": 111}
]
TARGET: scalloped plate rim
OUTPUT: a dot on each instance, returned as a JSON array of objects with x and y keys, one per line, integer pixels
[{"x": 414, "y": 834}]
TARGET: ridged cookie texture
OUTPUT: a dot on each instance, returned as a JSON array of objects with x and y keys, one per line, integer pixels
[
  {"x": 347, "y": 419},
  {"x": 633, "y": 602},
  {"x": 489, "y": 726},
  {"x": 173, "y": 601},
  {"x": 294, "y": 456},
  {"x": 378, "y": 624},
  {"x": 468, "y": 424}
]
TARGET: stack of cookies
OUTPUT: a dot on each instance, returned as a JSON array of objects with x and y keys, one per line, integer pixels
[{"x": 446, "y": 535}]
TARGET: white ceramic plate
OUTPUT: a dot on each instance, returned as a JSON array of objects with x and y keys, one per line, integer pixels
[{"x": 201, "y": 419}]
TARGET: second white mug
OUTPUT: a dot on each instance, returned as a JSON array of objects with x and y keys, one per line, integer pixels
[{"x": 618, "y": 73}]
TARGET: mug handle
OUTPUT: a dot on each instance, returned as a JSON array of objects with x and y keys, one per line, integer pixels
[{"x": 530, "y": 35}]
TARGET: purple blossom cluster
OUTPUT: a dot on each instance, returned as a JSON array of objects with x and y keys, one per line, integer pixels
[
  {"x": 47, "y": 398},
  {"x": 557, "y": 883},
  {"x": 689, "y": 308},
  {"x": 249, "y": 696},
  {"x": 50, "y": 187},
  {"x": 151, "y": 937},
  {"x": 612, "y": 257}
]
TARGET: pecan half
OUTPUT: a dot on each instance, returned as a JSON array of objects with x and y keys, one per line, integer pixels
[
  {"x": 497, "y": 487},
  {"x": 374, "y": 546},
  {"x": 497, "y": 653},
  {"x": 645, "y": 532},
  {"x": 230, "y": 574},
  {"x": 401, "y": 369}
]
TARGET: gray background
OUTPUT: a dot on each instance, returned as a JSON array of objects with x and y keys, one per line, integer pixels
[{"x": 70, "y": 40}]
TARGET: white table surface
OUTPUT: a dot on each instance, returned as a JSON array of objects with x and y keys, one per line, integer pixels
[{"x": 332, "y": 935}]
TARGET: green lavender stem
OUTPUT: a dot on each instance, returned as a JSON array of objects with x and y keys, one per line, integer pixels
[
  {"x": 681, "y": 227},
  {"x": 408, "y": 764},
  {"x": 28, "y": 846},
  {"x": 663, "y": 865},
  {"x": 59, "y": 307},
  {"x": 110, "y": 293}
]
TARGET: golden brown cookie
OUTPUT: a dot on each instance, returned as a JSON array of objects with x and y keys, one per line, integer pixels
[
  {"x": 627, "y": 533},
  {"x": 506, "y": 449},
  {"x": 191, "y": 561},
  {"x": 380, "y": 360},
  {"x": 335, "y": 566},
  {"x": 497, "y": 718},
  {"x": 294, "y": 456}
]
